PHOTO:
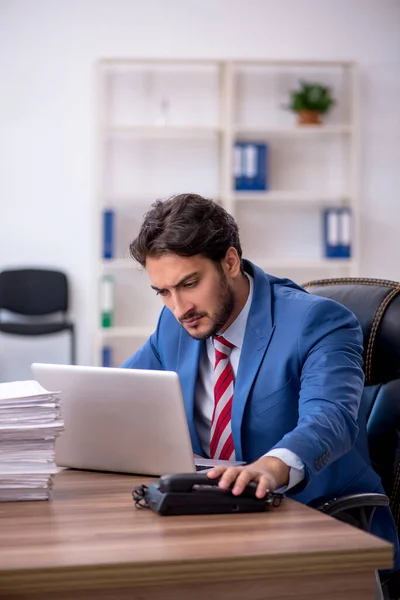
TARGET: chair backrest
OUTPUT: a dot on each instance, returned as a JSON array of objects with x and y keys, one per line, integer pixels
[
  {"x": 33, "y": 291},
  {"x": 376, "y": 304}
]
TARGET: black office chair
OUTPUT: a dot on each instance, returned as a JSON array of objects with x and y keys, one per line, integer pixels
[
  {"x": 38, "y": 295},
  {"x": 376, "y": 304}
]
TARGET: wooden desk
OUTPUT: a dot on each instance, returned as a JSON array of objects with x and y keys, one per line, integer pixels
[{"x": 91, "y": 542}]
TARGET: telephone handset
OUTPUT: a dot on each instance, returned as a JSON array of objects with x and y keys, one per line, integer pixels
[
  {"x": 195, "y": 493},
  {"x": 186, "y": 482}
]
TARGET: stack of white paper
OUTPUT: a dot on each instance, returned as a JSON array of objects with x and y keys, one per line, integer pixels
[{"x": 30, "y": 420}]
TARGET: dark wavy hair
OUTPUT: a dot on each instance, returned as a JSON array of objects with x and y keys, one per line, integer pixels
[{"x": 186, "y": 224}]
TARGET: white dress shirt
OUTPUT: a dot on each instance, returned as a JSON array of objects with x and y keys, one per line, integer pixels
[{"x": 204, "y": 397}]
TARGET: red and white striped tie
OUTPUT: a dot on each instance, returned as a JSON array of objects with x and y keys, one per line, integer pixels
[{"x": 221, "y": 443}]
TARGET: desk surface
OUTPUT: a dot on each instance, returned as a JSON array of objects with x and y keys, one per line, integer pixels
[{"x": 91, "y": 532}]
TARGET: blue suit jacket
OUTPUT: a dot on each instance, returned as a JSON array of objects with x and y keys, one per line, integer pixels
[{"x": 298, "y": 386}]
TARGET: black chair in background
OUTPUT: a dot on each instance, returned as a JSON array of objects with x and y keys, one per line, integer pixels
[
  {"x": 39, "y": 296},
  {"x": 376, "y": 304}
]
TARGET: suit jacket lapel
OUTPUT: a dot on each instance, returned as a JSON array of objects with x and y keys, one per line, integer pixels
[
  {"x": 259, "y": 330},
  {"x": 189, "y": 352}
]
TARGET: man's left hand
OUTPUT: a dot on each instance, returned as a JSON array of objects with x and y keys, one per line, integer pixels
[{"x": 268, "y": 472}]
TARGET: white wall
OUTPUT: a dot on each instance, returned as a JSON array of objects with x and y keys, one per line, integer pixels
[{"x": 47, "y": 52}]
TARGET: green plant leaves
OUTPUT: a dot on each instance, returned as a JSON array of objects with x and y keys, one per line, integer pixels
[{"x": 311, "y": 96}]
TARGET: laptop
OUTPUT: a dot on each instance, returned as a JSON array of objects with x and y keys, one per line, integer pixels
[{"x": 121, "y": 420}]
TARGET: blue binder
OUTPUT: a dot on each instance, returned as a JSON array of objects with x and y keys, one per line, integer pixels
[
  {"x": 106, "y": 356},
  {"x": 251, "y": 166},
  {"x": 108, "y": 234},
  {"x": 345, "y": 232},
  {"x": 337, "y": 232},
  {"x": 331, "y": 233}
]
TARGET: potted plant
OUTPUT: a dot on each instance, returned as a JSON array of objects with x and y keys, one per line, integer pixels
[{"x": 310, "y": 101}]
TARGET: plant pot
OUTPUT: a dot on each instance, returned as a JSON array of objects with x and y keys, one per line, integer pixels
[{"x": 308, "y": 117}]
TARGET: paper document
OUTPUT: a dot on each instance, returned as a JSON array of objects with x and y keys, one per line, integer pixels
[
  {"x": 30, "y": 421},
  {"x": 23, "y": 389}
]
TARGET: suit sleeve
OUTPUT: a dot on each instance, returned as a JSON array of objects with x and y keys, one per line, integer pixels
[
  {"x": 148, "y": 356},
  {"x": 330, "y": 352}
]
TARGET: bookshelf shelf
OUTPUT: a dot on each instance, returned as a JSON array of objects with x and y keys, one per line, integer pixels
[
  {"x": 172, "y": 126},
  {"x": 304, "y": 264},
  {"x": 293, "y": 131},
  {"x": 293, "y": 197},
  {"x": 266, "y": 263},
  {"x": 119, "y": 263},
  {"x": 163, "y": 131},
  {"x": 125, "y": 332}
]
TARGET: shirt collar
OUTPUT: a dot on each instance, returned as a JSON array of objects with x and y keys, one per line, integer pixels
[{"x": 236, "y": 330}]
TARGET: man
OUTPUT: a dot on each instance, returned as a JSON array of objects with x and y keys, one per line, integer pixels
[{"x": 270, "y": 374}]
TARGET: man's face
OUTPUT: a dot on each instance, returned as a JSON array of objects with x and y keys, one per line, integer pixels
[{"x": 195, "y": 290}]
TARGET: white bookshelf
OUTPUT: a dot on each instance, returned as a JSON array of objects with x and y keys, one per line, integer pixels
[
  {"x": 293, "y": 131},
  {"x": 169, "y": 126},
  {"x": 126, "y": 332},
  {"x": 159, "y": 132}
]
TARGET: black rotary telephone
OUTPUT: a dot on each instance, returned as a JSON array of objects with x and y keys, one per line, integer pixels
[{"x": 195, "y": 493}]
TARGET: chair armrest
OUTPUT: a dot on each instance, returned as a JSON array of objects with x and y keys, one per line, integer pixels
[
  {"x": 331, "y": 507},
  {"x": 355, "y": 509}
]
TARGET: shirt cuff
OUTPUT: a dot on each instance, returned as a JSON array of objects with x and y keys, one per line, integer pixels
[{"x": 296, "y": 473}]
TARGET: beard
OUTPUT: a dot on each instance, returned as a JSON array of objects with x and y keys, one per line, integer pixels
[{"x": 226, "y": 303}]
